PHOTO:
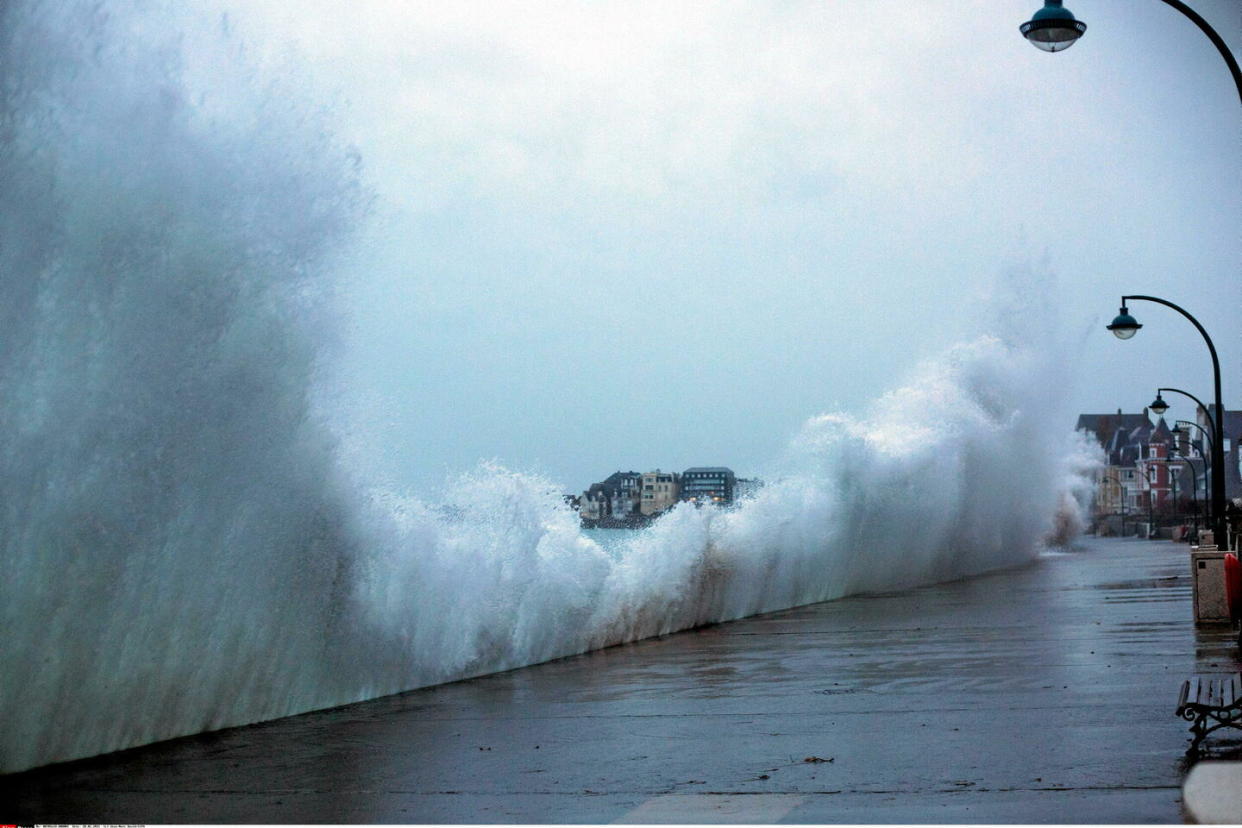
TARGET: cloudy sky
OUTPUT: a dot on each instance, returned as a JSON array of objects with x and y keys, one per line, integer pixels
[{"x": 629, "y": 235}]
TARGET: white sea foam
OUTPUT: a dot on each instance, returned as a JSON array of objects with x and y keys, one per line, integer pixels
[{"x": 185, "y": 547}]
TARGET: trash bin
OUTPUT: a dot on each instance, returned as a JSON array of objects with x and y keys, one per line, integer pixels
[{"x": 1207, "y": 572}]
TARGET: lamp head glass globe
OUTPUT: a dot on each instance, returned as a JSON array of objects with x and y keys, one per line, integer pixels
[
  {"x": 1053, "y": 28},
  {"x": 1124, "y": 325}
]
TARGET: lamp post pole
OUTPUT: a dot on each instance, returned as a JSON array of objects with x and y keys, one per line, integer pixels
[
  {"x": 1194, "y": 488},
  {"x": 1207, "y": 435},
  {"x": 1160, "y": 406},
  {"x": 1125, "y": 501},
  {"x": 1151, "y": 498},
  {"x": 1168, "y": 471},
  {"x": 1125, "y": 326}
]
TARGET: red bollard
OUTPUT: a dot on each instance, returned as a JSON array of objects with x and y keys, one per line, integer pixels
[{"x": 1233, "y": 586}]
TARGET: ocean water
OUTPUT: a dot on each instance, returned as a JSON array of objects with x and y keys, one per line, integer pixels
[
  {"x": 612, "y": 541},
  {"x": 186, "y": 546}
]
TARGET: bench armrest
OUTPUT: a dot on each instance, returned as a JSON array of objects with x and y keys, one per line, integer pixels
[{"x": 1181, "y": 698}]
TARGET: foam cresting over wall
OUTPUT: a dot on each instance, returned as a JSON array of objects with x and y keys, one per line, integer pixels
[{"x": 184, "y": 546}]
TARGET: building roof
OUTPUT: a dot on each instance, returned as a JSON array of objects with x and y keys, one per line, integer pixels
[
  {"x": 612, "y": 486},
  {"x": 1122, "y": 436},
  {"x": 1233, "y": 422},
  {"x": 1141, "y": 433},
  {"x": 1105, "y": 426}
]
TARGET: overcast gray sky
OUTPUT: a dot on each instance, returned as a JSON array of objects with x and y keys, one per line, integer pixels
[{"x": 628, "y": 235}]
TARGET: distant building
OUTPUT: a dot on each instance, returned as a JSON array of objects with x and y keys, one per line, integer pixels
[
  {"x": 591, "y": 505},
  {"x": 708, "y": 484},
  {"x": 630, "y": 500},
  {"x": 1116, "y": 482},
  {"x": 1153, "y": 468},
  {"x": 615, "y": 497},
  {"x": 1232, "y": 426},
  {"x": 659, "y": 491},
  {"x": 1143, "y": 472}
]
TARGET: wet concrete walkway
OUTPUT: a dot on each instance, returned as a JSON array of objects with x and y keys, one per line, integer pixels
[{"x": 1043, "y": 694}]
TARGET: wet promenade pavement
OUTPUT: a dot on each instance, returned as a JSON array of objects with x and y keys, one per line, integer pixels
[{"x": 1043, "y": 694}]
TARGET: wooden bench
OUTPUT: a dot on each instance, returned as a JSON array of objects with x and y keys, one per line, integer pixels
[{"x": 1210, "y": 703}]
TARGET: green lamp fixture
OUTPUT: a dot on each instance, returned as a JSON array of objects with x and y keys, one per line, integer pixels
[
  {"x": 1158, "y": 405},
  {"x": 1124, "y": 325},
  {"x": 1053, "y": 28}
]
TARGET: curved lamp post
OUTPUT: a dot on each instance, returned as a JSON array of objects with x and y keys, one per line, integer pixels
[
  {"x": 1125, "y": 326},
  {"x": 1054, "y": 29},
  {"x": 1206, "y": 435},
  {"x": 1160, "y": 406},
  {"x": 1178, "y": 431}
]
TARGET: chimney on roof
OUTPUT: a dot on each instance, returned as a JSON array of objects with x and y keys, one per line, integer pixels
[{"x": 1118, "y": 412}]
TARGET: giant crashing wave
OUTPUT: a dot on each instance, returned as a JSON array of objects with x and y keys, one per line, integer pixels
[{"x": 184, "y": 546}]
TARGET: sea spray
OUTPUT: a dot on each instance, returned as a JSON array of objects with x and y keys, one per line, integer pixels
[
  {"x": 959, "y": 472},
  {"x": 173, "y": 553},
  {"x": 185, "y": 545}
]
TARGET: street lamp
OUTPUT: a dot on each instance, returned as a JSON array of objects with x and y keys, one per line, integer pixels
[
  {"x": 1206, "y": 436},
  {"x": 1177, "y": 432},
  {"x": 1053, "y": 28},
  {"x": 1125, "y": 326},
  {"x": 1160, "y": 406},
  {"x": 1194, "y": 484}
]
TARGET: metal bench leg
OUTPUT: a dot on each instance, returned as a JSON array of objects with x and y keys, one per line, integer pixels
[{"x": 1199, "y": 729}]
